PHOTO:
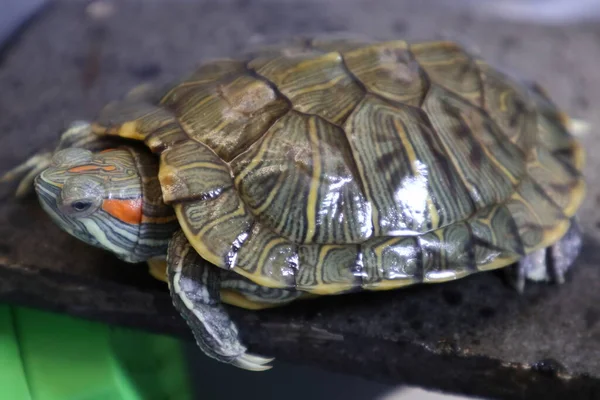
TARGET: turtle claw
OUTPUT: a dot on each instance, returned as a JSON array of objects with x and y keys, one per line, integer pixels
[
  {"x": 549, "y": 264},
  {"x": 252, "y": 362},
  {"x": 28, "y": 172},
  {"x": 578, "y": 127},
  {"x": 255, "y": 358}
]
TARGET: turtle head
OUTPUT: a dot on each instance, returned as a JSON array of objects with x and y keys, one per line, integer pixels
[{"x": 110, "y": 200}]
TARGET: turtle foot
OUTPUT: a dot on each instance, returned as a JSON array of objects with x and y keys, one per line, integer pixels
[
  {"x": 26, "y": 173},
  {"x": 195, "y": 285},
  {"x": 549, "y": 264}
]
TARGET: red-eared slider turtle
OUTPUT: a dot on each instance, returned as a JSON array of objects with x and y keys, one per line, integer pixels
[{"x": 321, "y": 168}]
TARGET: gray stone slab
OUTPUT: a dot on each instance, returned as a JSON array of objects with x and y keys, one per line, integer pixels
[
  {"x": 473, "y": 336},
  {"x": 15, "y": 15}
]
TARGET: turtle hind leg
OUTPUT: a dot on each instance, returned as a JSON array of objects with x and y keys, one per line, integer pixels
[
  {"x": 235, "y": 289},
  {"x": 241, "y": 292},
  {"x": 194, "y": 285},
  {"x": 549, "y": 264}
]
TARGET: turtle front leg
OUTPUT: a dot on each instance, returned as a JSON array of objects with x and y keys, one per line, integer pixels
[
  {"x": 79, "y": 134},
  {"x": 549, "y": 264},
  {"x": 28, "y": 170},
  {"x": 195, "y": 288}
]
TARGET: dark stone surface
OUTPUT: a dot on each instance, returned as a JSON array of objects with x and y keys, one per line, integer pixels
[
  {"x": 15, "y": 18},
  {"x": 473, "y": 336}
]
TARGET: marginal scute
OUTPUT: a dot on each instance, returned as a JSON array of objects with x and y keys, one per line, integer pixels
[
  {"x": 555, "y": 178},
  {"x": 391, "y": 262},
  {"x": 216, "y": 227},
  {"x": 540, "y": 222},
  {"x": 164, "y": 137},
  {"x": 447, "y": 253},
  {"x": 190, "y": 171},
  {"x": 132, "y": 119},
  {"x": 496, "y": 239},
  {"x": 326, "y": 269},
  {"x": 267, "y": 258},
  {"x": 552, "y": 134}
]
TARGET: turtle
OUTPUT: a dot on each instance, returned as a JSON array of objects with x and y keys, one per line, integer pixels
[{"x": 320, "y": 167}]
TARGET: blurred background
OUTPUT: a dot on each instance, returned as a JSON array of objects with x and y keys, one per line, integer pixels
[{"x": 112, "y": 45}]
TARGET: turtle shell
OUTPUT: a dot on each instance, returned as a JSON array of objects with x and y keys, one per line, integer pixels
[{"x": 329, "y": 166}]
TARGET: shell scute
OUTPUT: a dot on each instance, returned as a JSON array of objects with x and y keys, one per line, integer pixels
[
  {"x": 228, "y": 113},
  {"x": 318, "y": 85},
  {"x": 452, "y": 120},
  {"x": 447, "y": 253},
  {"x": 404, "y": 170},
  {"x": 510, "y": 105},
  {"x": 190, "y": 171},
  {"x": 391, "y": 262},
  {"x": 299, "y": 180},
  {"x": 329, "y": 268},
  {"x": 267, "y": 258},
  {"x": 388, "y": 70},
  {"x": 450, "y": 66},
  {"x": 540, "y": 221},
  {"x": 215, "y": 226},
  {"x": 496, "y": 239}
]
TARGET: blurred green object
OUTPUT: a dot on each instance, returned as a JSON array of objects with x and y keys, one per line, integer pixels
[{"x": 45, "y": 356}]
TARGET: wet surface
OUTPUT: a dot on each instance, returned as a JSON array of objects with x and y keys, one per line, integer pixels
[{"x": 472, "y": 336}]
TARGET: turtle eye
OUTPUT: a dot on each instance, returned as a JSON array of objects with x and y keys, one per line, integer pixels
[
  {"x": 80, "y": 205},
  {"x": 79, "y": 208},
  {"x": 80, "y": 196}
]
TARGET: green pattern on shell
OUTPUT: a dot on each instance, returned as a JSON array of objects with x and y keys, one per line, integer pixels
[{"x": 336, "y": 165}]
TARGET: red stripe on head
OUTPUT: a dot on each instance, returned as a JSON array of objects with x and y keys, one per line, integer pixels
[
  {"x": 128, "y": 211},
  {"x": 87, "y": 168}
]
